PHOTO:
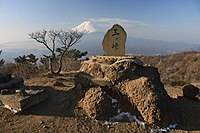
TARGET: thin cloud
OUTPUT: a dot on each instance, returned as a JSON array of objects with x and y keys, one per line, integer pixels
[
  {"x": 107, "y": 22},
  {"x": 5, "y": 14},
  {"x": 9, "y": 15}
]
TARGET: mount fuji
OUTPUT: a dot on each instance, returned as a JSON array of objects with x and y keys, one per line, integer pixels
[
  {"x": 87, "y": 27},
  {"x": 92, "y": 39}
]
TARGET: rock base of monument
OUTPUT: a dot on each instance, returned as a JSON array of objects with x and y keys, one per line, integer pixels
[{"x": 137, "y": 84}]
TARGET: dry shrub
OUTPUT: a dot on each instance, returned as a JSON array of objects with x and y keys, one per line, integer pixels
[
  {"x": 21, "y": 70},
  {"x": 176, "y": 67},
  {"x": 69, "y": 64}
]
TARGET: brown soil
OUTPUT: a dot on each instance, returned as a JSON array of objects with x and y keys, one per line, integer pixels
[{"x": 59, "y": 112}]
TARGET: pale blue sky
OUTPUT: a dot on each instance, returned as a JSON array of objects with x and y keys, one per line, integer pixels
[{"x": 172, "y": 20}]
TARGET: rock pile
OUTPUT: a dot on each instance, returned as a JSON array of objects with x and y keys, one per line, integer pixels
[
  {"x": 9, "y": 84},
  {"x": 16, "y": 96},
  {"x": 133, "y": 81}
]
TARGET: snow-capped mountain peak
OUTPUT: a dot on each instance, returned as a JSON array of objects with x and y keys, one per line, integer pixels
[{"x": 85, "y": 27}]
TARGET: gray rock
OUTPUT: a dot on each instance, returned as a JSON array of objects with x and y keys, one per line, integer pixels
[
  {"x": 7, "y": 91},
  {"x": 20, "y": 102},
  {"x": 12, "y": 83},
  {"x": 4, "y": 77}
]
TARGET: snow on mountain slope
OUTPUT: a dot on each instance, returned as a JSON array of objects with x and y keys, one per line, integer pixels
[{"x": 86, "y": 27}]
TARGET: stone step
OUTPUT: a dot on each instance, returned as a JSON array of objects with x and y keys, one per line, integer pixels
[
  {"x": 7, "y": 91},
  {"x": 4, "y": 78},
  {"x": 23, "y": 100},
  {"x": 101, "y": 81},
  {"x": 13, "y": 83}
]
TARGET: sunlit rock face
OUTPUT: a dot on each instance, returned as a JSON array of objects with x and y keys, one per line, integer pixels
[{"x": 135, "y": 82}]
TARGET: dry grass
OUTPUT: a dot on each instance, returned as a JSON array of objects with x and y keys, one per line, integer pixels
[
  {"x": 29, "y": 71},
  {"x": 180, "y": 67}
]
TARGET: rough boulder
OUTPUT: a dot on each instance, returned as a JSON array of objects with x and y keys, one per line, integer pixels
[
  {"x": 140, "y": 84},
  {"x": 97, "y": 103}
]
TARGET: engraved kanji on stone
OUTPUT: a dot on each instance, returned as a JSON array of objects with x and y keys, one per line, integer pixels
[{"x": 114, "y": 41}]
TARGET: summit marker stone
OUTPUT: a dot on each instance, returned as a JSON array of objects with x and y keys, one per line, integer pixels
[{"x": 114, "y": 41}]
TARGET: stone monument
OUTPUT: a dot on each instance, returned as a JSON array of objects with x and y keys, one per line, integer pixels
[{"x": 114, "y": 41}]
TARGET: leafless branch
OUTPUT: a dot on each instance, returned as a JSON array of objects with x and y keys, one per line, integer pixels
[{"x": 40, "y": 37}]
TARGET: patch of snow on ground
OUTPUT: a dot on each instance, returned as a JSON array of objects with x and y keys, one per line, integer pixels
[
  {"x": 126, "y": 115},
  {"x": 13, "y": 110},
  {"x": 121, "y": 71},
  {"x": 165, "y": 129},
  {"x": 118, "y": 111},
  {"x": 173, "y": 125},
  {"x": 114, "y": 100}
]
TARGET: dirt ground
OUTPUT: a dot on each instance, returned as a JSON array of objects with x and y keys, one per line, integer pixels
[{"x": 59, "y": 112}]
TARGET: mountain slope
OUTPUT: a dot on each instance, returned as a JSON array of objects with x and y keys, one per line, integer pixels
[
  {"x": 176, "y": 67},
  {"x": 86, "y": 27}
]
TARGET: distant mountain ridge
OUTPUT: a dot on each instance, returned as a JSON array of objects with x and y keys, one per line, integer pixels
[{"x": 92, "y": 42}]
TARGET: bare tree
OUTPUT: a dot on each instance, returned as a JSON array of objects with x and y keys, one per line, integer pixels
[{"x": 55, "y": 38}]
